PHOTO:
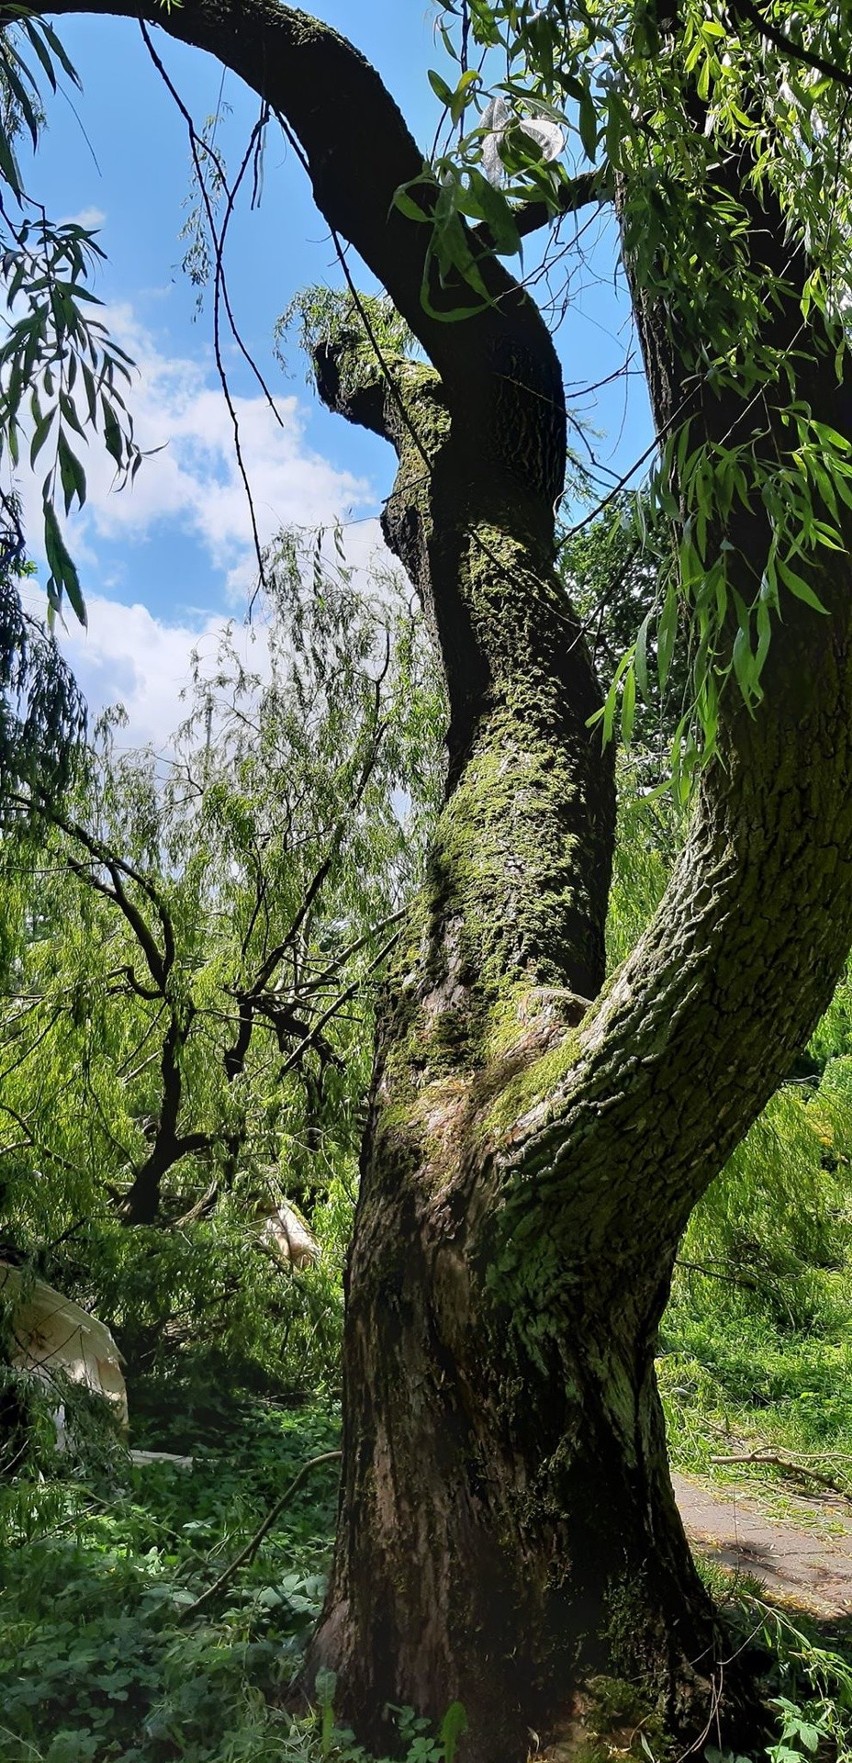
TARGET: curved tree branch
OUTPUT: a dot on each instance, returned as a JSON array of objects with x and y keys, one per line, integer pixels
[
  {"x": 358, "y": 152},
  {"x": 583, "y": 191}
]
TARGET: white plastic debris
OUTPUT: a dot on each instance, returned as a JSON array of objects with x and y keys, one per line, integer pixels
[
  {"x": 51, "y": 1334},
  {"x": 286, "y": 1235},
  {"x": 141, "y": 1459},
  {"x": 497, "y": 118}
]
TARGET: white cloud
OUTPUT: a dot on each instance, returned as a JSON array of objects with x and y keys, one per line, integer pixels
[
  {"x": 192, "y": 486},
  {"x": 130, "y": 657},
  {"x": 191, "y": 481},
  {"x": 89, "y": 218}
]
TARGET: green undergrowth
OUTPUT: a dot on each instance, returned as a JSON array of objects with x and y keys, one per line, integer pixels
[
  {"x": 806, "y": 1678},
  {"x": 101, "y": 1657},
  {"x": 103, "y": 1660},
  {"x": 757, "y": 1341}
]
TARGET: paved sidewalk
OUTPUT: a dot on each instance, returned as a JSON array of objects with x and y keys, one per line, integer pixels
[{"x": 806, "y": 1566}]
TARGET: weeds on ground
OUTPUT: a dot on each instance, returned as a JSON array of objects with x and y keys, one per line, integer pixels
[
  {"x": 98, "y": 1661},
  {"x": 807, "y": 1681},
  {"x": 102, "y": 1660},
  {"x": 756, "y": 1345}
]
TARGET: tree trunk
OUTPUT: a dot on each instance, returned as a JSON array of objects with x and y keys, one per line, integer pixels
[
  {"x": 507, "y": 1534},
  {"x": 508, "y": 1531}
]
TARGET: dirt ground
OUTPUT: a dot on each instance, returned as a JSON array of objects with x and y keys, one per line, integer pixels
[{"x": 803, "y": 1558}]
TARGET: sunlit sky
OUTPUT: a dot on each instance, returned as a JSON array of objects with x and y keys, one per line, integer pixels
[{"x": 165, "y": 563}]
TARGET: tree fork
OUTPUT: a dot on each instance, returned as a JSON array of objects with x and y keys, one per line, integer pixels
[{"x": 507, "y": 1529}]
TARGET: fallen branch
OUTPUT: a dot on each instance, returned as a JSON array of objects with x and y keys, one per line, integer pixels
[
  {"x": 251, "y": 1548},
  {"x": 771, "y": 1460},
  {"x": 727, "y": 1278}
]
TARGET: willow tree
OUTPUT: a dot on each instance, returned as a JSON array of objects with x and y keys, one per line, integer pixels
[{"x": 537, "y": 1138}]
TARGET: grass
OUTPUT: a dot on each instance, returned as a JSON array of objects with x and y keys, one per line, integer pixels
[
  {"x": 756, "y": 1347},
  {"x": 102, "y": 1660},
  {"x": 732, "y": 1388}
]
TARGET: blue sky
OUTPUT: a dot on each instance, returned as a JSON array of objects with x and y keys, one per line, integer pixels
[{"x": 164, "y": 564}]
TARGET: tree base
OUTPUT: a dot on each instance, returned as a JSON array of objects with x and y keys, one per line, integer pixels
[{"x": 667, "y": 1702}]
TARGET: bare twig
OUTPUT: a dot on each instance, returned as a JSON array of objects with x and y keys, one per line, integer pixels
[{"x": 248, "y": 1553}]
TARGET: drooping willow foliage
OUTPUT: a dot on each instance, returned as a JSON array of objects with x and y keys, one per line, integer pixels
[
  {"x": 704, "y": 123},
  {"x": 42, "y": 714}
]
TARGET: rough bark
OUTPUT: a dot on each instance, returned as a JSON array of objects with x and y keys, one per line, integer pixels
[{"x": 507, "y": 1531}]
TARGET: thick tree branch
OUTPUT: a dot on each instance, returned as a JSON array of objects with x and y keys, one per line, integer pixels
[
  {"x": 141, "y": 1203},
  {"x": 119, "y": 897},
  {"x": 702, "y": 1021},
  {"x": 159, "y": 961},
  {"x": 587, "y": 189},
  {"x": 358, "y": 152}
]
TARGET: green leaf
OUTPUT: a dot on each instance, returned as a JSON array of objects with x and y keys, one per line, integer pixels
[
  {"x": 440, "y": 88},
  {"x": 66, "y": 65},
  {"x": 453, "y": 1727},
  {"x": 21, "y": 95},
  {"x": 113, "y": 439},
  {"x": 830, "y": 437},
  {"x": 666, "y": 633},
  {"x": 72, "y": 474},
  {"x": 69, "y": 412},
  {"x": 406, "y": 203},
  {"x": 40, "y": 434},
  {"x": 33, "y": 33},
  {"x": 640, "y": 659},
  {"x": 497, "y": 214},
  {"x": 628, "y": 706},
  {"x": 764, "y": 633},
  {"x": 63, "y": 574},
  {"x": 588, "y": 124},
  {"x": 8, "y": 166},
  {"x": 744, "y": 667},
  {"x": 460, "y": 97},
  {"x": 91, "y": 393},
  {"x": 799, "y": 587}
]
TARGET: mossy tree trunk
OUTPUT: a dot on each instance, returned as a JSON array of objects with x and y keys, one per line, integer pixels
[
  {"x": 537, "y": 1140},
  {"x": 508, "y": 1531}
]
